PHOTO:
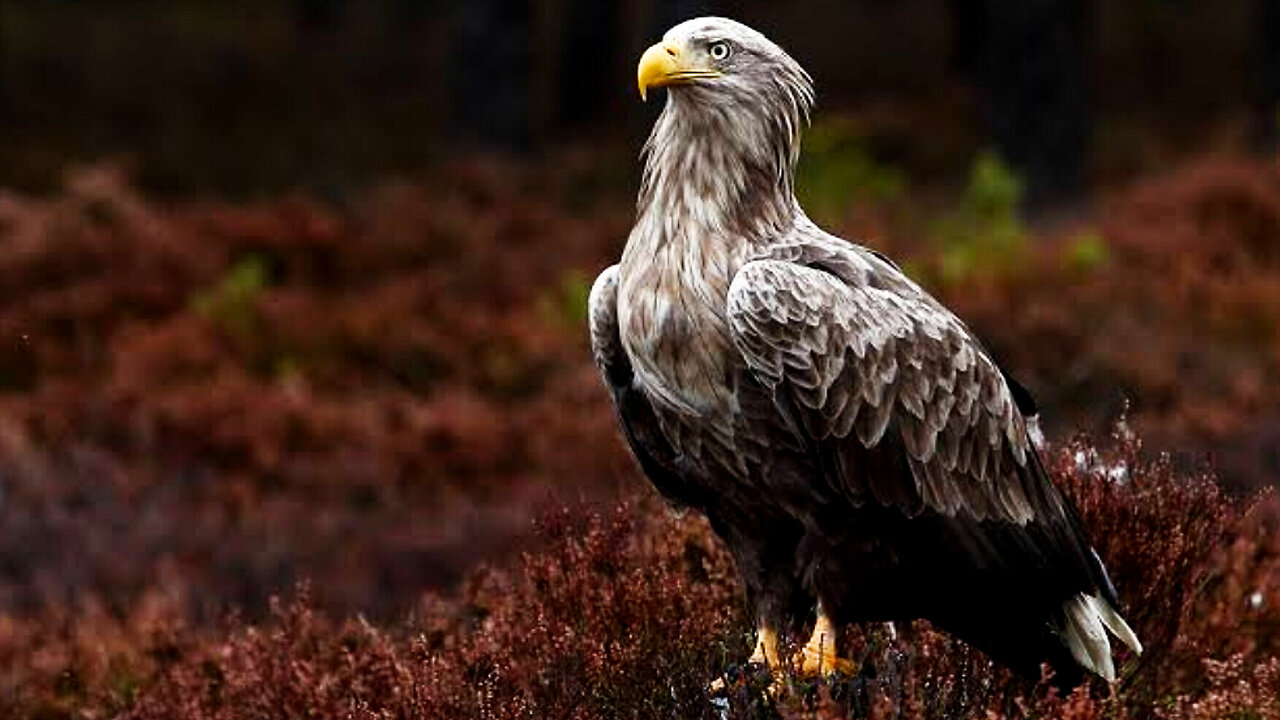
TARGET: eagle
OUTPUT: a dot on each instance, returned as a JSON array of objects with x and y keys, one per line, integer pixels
[{"x": 855, "y": 447}]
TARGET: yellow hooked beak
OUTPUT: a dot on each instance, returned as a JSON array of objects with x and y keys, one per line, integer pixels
[{"x": 664, "y": 64}]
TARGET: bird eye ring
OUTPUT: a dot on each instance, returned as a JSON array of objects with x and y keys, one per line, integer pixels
[{"x": 720, "y": 51}]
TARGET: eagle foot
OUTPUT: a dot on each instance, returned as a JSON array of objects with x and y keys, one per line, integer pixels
[
  {"x": 812, "y": 662},
  {"x": 766, "y": 652},
  {"x": 818, "y": 657}
]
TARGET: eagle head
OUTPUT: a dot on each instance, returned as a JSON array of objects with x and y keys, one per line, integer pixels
[
  {"x": 718, "y": 58},
  {"x": 720, "y": 68},
  {"x": 730, "y": 131}
]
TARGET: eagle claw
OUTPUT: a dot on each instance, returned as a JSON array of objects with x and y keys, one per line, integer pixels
[
  {"x": 818, "y": 656},
  {"x": 822, "y": 661}
]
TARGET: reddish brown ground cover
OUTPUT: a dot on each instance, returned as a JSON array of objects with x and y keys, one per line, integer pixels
[
  {"x": 204, "y": 404},
  {"x": 1181, "y": 321}
]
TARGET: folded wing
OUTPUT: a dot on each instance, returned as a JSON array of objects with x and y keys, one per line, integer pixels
[{"x": 905, "y": 410}]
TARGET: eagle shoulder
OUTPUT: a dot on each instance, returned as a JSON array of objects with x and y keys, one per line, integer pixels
[
  {"x": 602, "y": 323},
  {"x": 641, "y": 428}
]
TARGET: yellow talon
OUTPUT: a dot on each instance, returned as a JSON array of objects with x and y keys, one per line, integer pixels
[
  {"x": 815, "y": 663},
  {"x": 818, "y": 656},
  {"x": 766, "y": 652}
]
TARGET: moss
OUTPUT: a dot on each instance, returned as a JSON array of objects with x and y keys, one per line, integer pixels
[
  {"x": 231, "y": 302},
  {"x": 984, "y": 234},
  {"x": 837, "y": 169},
  {"x": 1086, "y": 252},
  {"x": 565, "y": 304}
]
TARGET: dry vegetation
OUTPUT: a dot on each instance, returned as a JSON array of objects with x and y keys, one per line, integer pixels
[
  {"x": 205, "y": 404},
  {"x": 633, "y": 612}
]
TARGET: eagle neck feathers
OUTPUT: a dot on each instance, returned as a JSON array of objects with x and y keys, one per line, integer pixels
[
  {"x": 717, "y": 189},
  {"x": 719, "y": 169}
]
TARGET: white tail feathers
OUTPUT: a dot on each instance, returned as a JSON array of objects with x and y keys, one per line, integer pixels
[
  {"x": 1117, "y": 625},
  {"x": 1088, "y": 618}
]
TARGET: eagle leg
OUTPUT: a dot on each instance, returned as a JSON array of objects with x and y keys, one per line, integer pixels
[
  {"x": 818, "y": 656},
  {"x": 766, "y": 652}
]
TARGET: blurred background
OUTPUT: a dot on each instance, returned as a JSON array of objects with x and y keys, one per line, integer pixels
[
  {"x": 245, "y": 98},
  {"x": 296, "y": 288}
]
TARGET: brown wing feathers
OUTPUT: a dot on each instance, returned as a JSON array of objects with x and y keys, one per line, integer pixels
[
  {"x": 860, "y": 358},
  {"x": 905, "y": 408}
]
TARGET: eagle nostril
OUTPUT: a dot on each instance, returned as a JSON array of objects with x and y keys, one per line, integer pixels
[{"x": 671, "y": 50}]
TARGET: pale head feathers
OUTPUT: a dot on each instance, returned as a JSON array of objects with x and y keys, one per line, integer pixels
[{"x": 723, "y": 152}]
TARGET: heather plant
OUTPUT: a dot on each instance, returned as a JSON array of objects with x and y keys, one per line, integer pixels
[
  {"x": 633, "y": 612},
  {"x": 984, "y": 234},
  {"x": 1236, "y": 689},
  {"x": 377, "y": 377}
]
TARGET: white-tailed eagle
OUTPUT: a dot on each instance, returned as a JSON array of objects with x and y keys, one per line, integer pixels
[{"x": 852, "y": 443}]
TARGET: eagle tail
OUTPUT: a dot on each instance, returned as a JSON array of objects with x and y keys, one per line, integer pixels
[{"x": 1088, "y": 618}]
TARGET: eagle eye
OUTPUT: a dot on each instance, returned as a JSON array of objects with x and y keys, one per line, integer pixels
[{"x": 720, "y": 50}]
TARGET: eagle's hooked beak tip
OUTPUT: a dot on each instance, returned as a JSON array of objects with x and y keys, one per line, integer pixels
[{"x": 658, "y": 66}]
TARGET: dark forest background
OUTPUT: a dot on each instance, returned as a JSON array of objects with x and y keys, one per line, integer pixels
[{"x": 245, "y": 97}]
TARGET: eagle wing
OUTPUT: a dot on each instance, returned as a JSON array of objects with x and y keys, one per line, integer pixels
[
  {"x": 860, "y": 354},
  {"x": 658, "y": 459},
  {"x": 900, "y": 406}
]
